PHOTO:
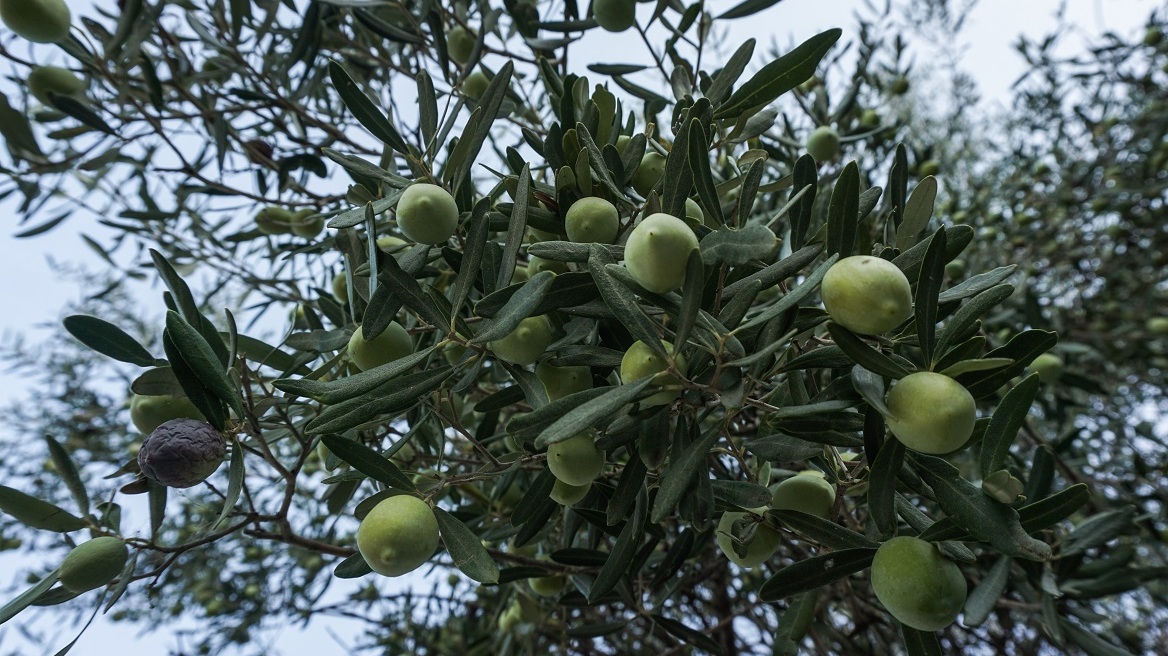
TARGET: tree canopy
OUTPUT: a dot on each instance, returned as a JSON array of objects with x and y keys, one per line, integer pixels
[{"x": 748, "y": 349}]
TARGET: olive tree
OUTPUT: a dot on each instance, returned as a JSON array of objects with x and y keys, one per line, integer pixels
[{"x": 617, "y": 358}]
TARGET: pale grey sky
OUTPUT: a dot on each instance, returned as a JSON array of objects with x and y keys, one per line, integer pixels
[{"x": 989, "y": 56}]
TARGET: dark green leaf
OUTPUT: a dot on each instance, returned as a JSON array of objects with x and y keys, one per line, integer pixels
[
  {"x": 677, "y": 479},
  {"x": 864, "y": 355},
  {"x": 623, "y": 551},
  {"x": 882, "y": 487},
  {"x": 1097, "y": 531},
  {"x": 1005, "y": 424},
  {"x": 34, "y": 513},
  {"x": 920, "y": 643},
  {"x": 472, "y": 256},
  {"x": 984, "y": 597},
  {"x": 466, "y": 548},
  {"x": 108, "y": 339},
  {"x": 592, "y": 412},
  {"x": 68, "y": 473},
  {"x": 364, "y": 110},
  {"x": 353, "y": 567},
  {"x": 779, "y": 76},
  {"x": 368, "y": 462},
  {"x": 815, "y": 572},
  {"x": 519, "y": 307},
  {"x": 198, "y": 354},
  {"x": 26, "y": 598},
  {"x": 843, "y": 212},
  {"x": 343, "y": 389},
  {"x": 823, "y": 531},
  {"x": 738, "y": 246},
  {"x": 928, "y": 287}
]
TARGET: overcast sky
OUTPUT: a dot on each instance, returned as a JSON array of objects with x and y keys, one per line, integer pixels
[{"x": 34, "y": 299}]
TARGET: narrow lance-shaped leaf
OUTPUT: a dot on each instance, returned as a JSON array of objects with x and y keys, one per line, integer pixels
[
  {"x": 25, "y": 599},
  {"x": 368, "y": 462},
  {"x": 107, "y": 339},
  {"x": 476, "y": 240},
  {"x": 519, "y": 307},
  {"x": 928, "y": 287},
  {"x": 201, "y": 358},
  {"x": 68, "y": 472},
  {"x": 366, "y": 113},
  {"x": 917, "y": 212},
  {"x": 815, "y": 572},
  {"x": 1005, "y": 424},
  {"x": 589, "y": 414},
  {"x": 699, "y": 166},
  {"x": 984, "y": 597},
  {"x": 34, "y": 513},
  {"x": 882, "y": 487},
  {"x": 235, "y": 473},
  {"x": 691, "y": 298},
  {"x": 985, "y": 518},
  {"x": 466, "y": 549},
  {"x": 779, "y": 76},
  {"x": 516, "y": 229},
  {"x": 678, "y": 477},
  {"x": 864, "y": 355},
  {"x": 623, "y": 551},
  {"x": 622, "y": 301},
  {"x": 843, "y": 212}
]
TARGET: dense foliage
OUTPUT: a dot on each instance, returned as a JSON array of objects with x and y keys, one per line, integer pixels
[{"x": 583, "y": 328}]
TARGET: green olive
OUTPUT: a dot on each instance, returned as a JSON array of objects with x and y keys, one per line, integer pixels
[
  {"x": 867, "y": 295},
  {"x": 807, "y": 492},
  {"x": 592, "y": 219},
  {"x": 765, "y": 543},
  {"x": 427, "y": 213},
  {"x": 930, "y": 412},
  {"x": 615, "y": 15},
  {"x": 460, "y": 42},
  {"x": 919, "y": 586},
  {"x": 150, "y": 412},
  {"x": 562, "y": 381},
  {"x": 569, "y": 495},
  {"x": 640, "y": 361},
  {"x": 1048, "y": 366},
  {"x": 657, "y": 252},
  {"x": 44, "y": 80},
  {"x": 391, "y": 344},
  {"x": 526, "y": 343},
  {"x": 39, "y": 21},
  {"x": 398, "y": 535},
  {"x": 93, "y": 564},
  {"x": 649, "y": 172},
  {"x": 576, "y": 460},
  {"x": 823, "y": 143}
]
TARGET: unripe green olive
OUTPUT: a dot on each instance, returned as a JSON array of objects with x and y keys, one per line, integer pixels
[
  {"x": 917, "y": 584},
  {"x": 150, "y": 412},
  {"x": 807, "y": 492},
  {"x": 526, "y": 343},
  {"x": 475, "y": 85},
  {"x": 615, "y": 15},
  {"x": 307, "y": 223},
  {"x": 562, "y": 381},
  {"x": 867, "y": 295},
  {"x": 398, "y": 535},
  {"x": 274, "y": 220},
  {"x": 694, "y": 212},
  {"x": 823, "y": 143},
  {"x": 390, "y": 244},
  {"x": 393, "y": 343},
  {"x": 340, "y": 287},
  {"x": 657, "y": 251},
  {"x": 869, "y": 118},
  {"x": 1157, "y": 325},
  {"x": 930, "y": 167},
  {"x": 536, "y": 264},
  {"x": 569, "y": 495},
  {"x": 649, "y": 172},
  {"x": 39, "y": 21},
  {"x": 640, "y": 361},
  {"x": 546, "y": 586},
  {"x": 592, "y": 219},
  {"x": 93, "y": 564},
  {"x": 1048, "y": 366},
  {"x": 427, "y": 213},
  {"x": 930, "y": 412},
  {"x": 460, "y": 42},
  {"x": 576, "y": 460},
  {"x": 899, "y": 86},
  {"x": 44, "y": 80},
  {"x": 764, "y": 545}
]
